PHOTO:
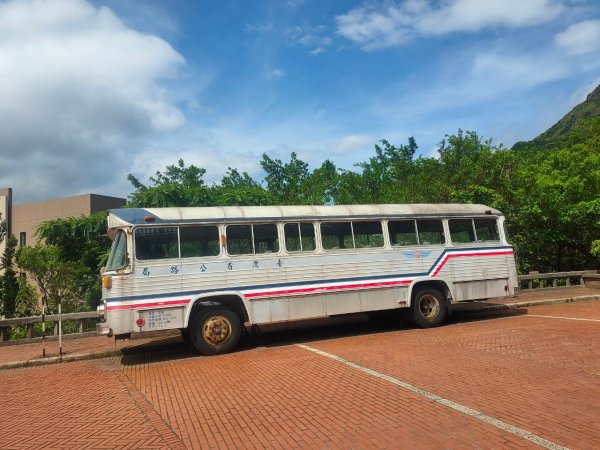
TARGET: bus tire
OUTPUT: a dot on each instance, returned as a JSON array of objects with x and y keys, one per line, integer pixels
[
  {"x": 429, "y": 308},
  {"x": 215, "y": 330},
  {"x": 185, "y": 335}
]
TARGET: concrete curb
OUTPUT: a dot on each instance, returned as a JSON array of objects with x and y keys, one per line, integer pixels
[
  {"x": 119, "y": 351},
  {"x": 557, "y": 301},
  {"x": 64, "y": 359}
]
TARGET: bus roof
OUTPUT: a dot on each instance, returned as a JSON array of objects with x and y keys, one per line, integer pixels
[{"x": 223, "y": 214}]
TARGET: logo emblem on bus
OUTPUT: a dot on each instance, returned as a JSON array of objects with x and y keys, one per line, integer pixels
[{"x": 417, "y": 254}]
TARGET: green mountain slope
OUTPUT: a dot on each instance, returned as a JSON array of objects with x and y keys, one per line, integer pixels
[{"x": 588, "y": 109}]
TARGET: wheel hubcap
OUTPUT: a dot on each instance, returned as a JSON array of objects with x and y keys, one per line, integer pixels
[
  {"x": 429, "y": 306},
  {"x": 216, "y": 330}
]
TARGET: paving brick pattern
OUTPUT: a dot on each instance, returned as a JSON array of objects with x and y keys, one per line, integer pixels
[
  {"x": 540, "y": 374},
  {"x": 79, "y": 405},
  {"x": 288, "y": 397}
]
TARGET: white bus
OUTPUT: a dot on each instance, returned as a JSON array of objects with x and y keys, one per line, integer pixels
[{"x": 211, "y": 271}]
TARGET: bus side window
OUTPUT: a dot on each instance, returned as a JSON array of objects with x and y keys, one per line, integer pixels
[
  {"x": 336, "y": 235},
  {"x": 486, "y": 229},
  {"x": 461, "y": 230},
  {"x": 299, "y": 237},
  {"x": 402, "y": 232},
  {"x": 239, "y": 240},
  {"x": 431, "y": 232},
  {"x": 367, "y": 234},
  {"x": 266, "y": 239},
  {"x": 156, "y": 243},
  {"x": 198, "y": 241}
]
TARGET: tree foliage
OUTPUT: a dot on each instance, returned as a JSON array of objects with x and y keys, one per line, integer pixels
[
  {"x": 292, "y": 183},
  {"x": 9, "y": 284},
  {"x": 83, "y": 242},
  {"x": 179, "y": 186},
  {"x": 56, "y": 278}
]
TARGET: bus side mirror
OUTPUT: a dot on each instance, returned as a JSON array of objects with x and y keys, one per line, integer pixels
[{"x": 102, "y": 269}]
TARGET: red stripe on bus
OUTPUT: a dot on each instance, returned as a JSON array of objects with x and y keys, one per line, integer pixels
[
  {"x": 150, "y": 305},
  {"x": 325, "y": 288}
]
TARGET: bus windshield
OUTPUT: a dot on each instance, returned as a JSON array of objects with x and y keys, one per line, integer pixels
[{"x": 118, "y": 252}]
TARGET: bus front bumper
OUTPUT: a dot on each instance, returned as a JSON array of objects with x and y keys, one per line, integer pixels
[{"x": 103, "y": 328}]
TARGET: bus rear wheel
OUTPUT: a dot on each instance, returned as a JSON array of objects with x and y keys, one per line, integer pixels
[
  {"x": 215, "y": 330},
  {"x": 429, "y": 308}
]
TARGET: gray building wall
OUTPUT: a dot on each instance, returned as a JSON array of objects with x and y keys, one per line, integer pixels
[{"x": 25, "y": 218}]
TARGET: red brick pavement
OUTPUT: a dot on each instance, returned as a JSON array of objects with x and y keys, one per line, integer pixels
[
  {"x": 540, "y": 374},
  {"x": 79, "y": 405},
  {"x": 288, "y": 397}
]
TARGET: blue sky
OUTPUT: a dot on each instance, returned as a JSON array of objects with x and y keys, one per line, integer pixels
[{"x": 93, "y": 91}]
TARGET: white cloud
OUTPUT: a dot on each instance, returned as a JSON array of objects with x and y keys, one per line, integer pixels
[
  {"x": 389, "y": 24},
  {"x": 275, "y": 74},
  {"x": 474, "y": 15},
  {"x": 580, "y": 38},
  {"x": 313, "y": 37},
  {"x": 504, "y": 72},
  {"x": 79, "y": 91},
  {"x": 352, "y": 143}
]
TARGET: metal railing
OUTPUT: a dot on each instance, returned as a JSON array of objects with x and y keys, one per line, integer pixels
[
  {"x": 29, "y": 323},
  {"x": 536, "y": 280}
]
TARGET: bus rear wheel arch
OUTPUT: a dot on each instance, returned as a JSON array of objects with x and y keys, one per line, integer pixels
[
  {"x": 429, "y": 307},
  {"x": 215, "y": 330}
]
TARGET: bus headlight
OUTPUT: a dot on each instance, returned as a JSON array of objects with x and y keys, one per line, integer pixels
[{"x": 101, "y": 309}]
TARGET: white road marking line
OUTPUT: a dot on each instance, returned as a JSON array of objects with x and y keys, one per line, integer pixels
[
  {"x": 566, "y": 318},
  {"x": 443, "y": 401}
]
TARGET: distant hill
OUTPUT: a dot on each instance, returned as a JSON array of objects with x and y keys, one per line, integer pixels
[{"x": 585, "y": 110}]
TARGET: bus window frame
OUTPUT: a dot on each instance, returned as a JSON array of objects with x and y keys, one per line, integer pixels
[
  {"x": 500, "y": 239},
  {"x": 209, "y": 257},
  {"x": 278, "y": 228},
  {"x": 149, "y": 260},
  {"x": 381, "y": 222},
  {"x": 120, "y": 231},
  {"x": 299, "y": 224}
]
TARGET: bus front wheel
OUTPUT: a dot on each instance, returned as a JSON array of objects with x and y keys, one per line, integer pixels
[
  {"x": 429, "y": 308},
  {"x": 215, "y": 330}
]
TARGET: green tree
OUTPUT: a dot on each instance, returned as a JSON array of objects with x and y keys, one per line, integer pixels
[
  {"x": 56, "y": 279},
  {"x": 27, "y": 300},
  {"x": 178, "y": 185},
  {"x": 9, "y": 285},
  {"x": 322, "y": 184},
  {"x": 286, "y": 181},
  {"x": 556, "y": 210},
  {"x": 240, "y": 189},
  {"x": 82, "y": 241},
  {"x": 184, "y": 186}
]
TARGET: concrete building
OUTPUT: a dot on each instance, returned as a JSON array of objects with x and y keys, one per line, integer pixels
[{"x": 23, "y": 219}]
